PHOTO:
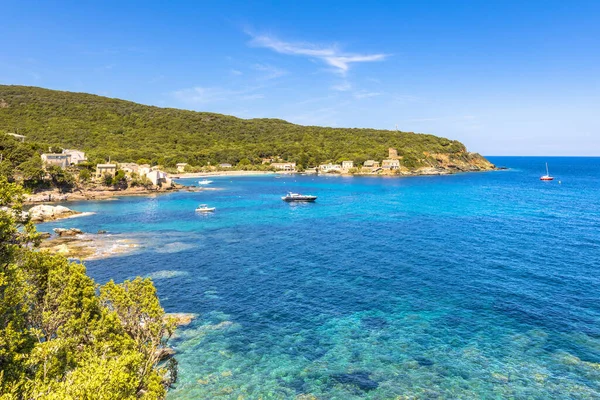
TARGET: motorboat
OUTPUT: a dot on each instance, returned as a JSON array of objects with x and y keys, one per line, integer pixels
[
  {"x": 204, "y": 182},
  {"x": 203, "y": 208},
  {"x": 298, "y": 197}
]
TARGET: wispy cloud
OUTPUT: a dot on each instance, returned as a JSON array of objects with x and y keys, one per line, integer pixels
[
  {"x": 342, "y": 87},
  {"x": 205, "y": 95},
  {"x": 235, "y": 72},
  {"x": 269, "y": 72},
  {"x": 331, "y": 55},
  {"x": 363, "y": 94}
]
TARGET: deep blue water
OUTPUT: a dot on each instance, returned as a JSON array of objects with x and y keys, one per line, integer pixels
[{"x": 469, "y": 286}]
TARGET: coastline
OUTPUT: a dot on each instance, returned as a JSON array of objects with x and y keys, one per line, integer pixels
[{"x": 218, "y": 173}]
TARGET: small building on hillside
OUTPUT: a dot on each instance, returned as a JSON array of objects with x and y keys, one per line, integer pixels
[
  {"x": 330, "y": 167},
  {"x": 60, "y": 160},
  {"x": 392, "y": 154},
  {"x": 225, "y": 165},
  {"x": 181, "y": 166},
  {"x": 346, "y": 165},
  {"x": 371, "y": 164},
  {"x": 129, "y": 168},
  {"x": 390, "y": 164},
  {"x": 285, "y": 166},
  {"x": 77, "y": 156},
  {"x": 143, "y": 169},
  {"x": 105, "y": 169},
  {"x": 158, "y": 178},
  {"x": 17, "y": 136}
]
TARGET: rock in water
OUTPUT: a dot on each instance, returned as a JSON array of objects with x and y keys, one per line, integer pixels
[
  {"x": 359, "y": 378},
  {"x": 67, "y": 232},
  {"x": 43, "y": 213}
]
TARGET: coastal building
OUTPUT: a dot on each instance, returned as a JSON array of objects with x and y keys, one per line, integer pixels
[
  {"x": 129, "y": 168},
  {"x": 143, "y": 169},
  {"x": 371, "y": 164},
  {"x": 225, "y": 165},
  {"x": 289, "y": 166},
  {"x": 17, "y": 136},
  {"x": 390, "y": 164},
  {"x": 392, "y": 154},
  {"x": 60, "y": 160},
  {"x": 105, "y": 169},
  {"x": 181, "y": 166},
  {"x": 76, "y": 156},
  {"x": 330, "y": 167},
  {"x": 346, "y": 165},
  {"x": 158, "y": 178}
]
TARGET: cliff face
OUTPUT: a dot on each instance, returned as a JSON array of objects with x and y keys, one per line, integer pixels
[{"x": 458, "y": 162}]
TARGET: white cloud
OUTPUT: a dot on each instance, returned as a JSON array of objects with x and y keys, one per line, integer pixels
[
  {"x": 269, "y": 71},
  {"x": 363, "y": 94},
  {"x": 332, "y": 56},
  {"x": 236, "y": 72},
  {"x": 204, "y": 95},
  {"x": 342, "y": 87}
]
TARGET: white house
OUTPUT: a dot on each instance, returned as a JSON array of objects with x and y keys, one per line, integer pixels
[
  {"x": 17, "y": 136},
  {"x": 371, "y": 164},
  {"x": 225, "y": 165},
  {"x": 129, "y": 167},
  {"x": 158, "y": 178},
  {"x": 390, "y": 164},
  {"x": 347, "y": 165},
  {"x": 287, "y": 166},
  {"x": 330, "y": 167},
  {"x": 77, "y": 156},
  {"x": 143, "y": 169},
  {"x": 61, "y": 160},
  {"x": 181, "y": 166}
]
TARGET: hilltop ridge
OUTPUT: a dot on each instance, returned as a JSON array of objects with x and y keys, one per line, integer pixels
[{"x": 128, "y": 132}]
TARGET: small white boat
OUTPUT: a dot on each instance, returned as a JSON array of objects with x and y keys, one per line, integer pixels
[
  {"x": 298, "y": 197},
  {"x": 204, "y": 182},
  {"x": 203, "y": 208}
]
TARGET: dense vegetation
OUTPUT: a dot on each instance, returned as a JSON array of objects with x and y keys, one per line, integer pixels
[
  {"x": 64, "y": 337},
  {"x": 129, "y": 132}
]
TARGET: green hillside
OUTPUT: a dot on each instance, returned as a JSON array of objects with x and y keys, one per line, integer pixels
[{"x": 127, "y": 131}]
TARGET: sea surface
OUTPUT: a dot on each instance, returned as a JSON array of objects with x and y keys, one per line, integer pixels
[{"x": 471, "y": 286}]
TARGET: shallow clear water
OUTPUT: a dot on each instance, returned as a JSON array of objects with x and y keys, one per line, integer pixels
[{"x": 466, "y": 286}]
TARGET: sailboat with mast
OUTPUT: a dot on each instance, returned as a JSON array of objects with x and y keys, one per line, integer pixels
[{"x": 547, "y": 177}]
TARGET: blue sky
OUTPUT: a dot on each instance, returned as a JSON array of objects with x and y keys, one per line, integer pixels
[{"x": 504, "y": 77}]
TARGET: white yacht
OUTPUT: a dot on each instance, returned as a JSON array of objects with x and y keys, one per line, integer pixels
[
  {"x": 298, "y": 197},
  {"x": 203, "y": 208}
]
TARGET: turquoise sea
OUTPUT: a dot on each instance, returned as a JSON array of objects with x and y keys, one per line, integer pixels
[{"x": 471, "y": 286}]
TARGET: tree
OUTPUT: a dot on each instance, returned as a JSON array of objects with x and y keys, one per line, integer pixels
[{"x": 62, "y": 338}]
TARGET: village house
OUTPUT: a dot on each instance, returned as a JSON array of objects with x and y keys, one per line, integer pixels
[
  {"x": 181, "y": 166},
  {"x": 158, "y": 178},
  {"x": 372, "y": 164},
  {"x": 17, "y": 136},
  {"x": 390, "y": 164},
  {"x": 129, "y": 168},
  {"x": 143, "y": 169},
  {"x": 346, "y": 165},
  {"x": 289, "y": 166},
  {"x": 61, "y": 160},
  {"x": 76, "y": 156},
  {"x": 393, "y": 154},
  {"x": 105, "y": 169},
  {"x": 225, "y": 165},
  {"x": 330, "y": 167}
]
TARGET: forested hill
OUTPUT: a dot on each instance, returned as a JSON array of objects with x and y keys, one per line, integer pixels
[{"x": 127, "y": 131}]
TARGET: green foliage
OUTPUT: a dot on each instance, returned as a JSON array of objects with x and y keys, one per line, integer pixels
[
  {"x": 85, "y": 175},
  {"x": 60, "y": 178},
  {"x": 61, "y": 337},
  {"x": 130, "y": 132}
]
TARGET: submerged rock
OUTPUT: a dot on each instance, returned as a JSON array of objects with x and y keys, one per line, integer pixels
[
  {"x": 181, "y": 319},
  {"x": 360, "y": 379},
  {"x": 44, "y": 235}
]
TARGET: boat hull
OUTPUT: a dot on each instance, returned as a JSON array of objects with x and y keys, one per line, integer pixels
[
  {"x": 546, "y": 178},
  {"x": 308, "y": 199}
]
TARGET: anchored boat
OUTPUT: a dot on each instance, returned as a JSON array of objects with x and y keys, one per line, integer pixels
[
  {"x": 203, "y": 208},
  {"x": 547, "y": 177},
  {"x": 298, "y": 197},
  {"x": 204, "y": 182}
]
